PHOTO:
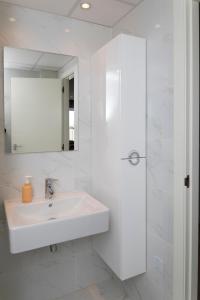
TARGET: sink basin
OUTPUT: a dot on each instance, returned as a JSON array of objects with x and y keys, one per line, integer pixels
[{"x": 43, "y": 222}]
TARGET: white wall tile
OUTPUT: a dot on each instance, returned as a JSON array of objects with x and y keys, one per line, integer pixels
[
  {"x": 76, "y": 261},
  {"x": 40, "y": 274},
  {"x": 153, "y": 20}
]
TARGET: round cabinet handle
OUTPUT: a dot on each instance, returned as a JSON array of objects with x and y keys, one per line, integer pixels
[{"x": 134, "y": 158}]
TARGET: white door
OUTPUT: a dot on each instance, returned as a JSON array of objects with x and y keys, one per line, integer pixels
[
  {"x": 186, "y": 149},
  {"x": 36, "y": 115}
]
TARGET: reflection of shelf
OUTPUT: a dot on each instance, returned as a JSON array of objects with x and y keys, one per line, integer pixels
[
  {"x": 71, "y": 145},
  {"x": 71, "y": 103}
]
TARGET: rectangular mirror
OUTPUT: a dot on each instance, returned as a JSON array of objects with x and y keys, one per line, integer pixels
[{"x": 40, "y": 101}]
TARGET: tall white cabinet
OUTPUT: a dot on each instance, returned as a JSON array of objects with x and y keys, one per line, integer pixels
[{"x": 119, "y": 151}]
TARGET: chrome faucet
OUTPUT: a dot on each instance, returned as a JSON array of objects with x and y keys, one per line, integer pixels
[{"x": 49, "y": 189}]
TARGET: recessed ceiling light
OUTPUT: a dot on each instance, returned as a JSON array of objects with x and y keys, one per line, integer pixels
[
  {"x": 67, "y": 30},
  {"x": 85, "y": 5},
  {"x": 11, "y": 19}
]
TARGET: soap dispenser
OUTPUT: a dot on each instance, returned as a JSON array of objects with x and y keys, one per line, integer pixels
[{"x": 27, "y": 190}]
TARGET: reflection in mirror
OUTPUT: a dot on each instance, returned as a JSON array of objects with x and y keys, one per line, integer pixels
[{"x": 40, "y": 101}]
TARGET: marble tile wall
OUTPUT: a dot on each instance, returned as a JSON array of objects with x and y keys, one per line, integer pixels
[
  {"x": 40, "y": 274},
  {"x": 153, "y": 20}
]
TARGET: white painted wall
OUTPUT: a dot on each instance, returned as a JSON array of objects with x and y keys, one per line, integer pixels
[
  {"x": 36, "y": 115},
  {"x": 153, "y": 20},
  {"x": 39, "y": 274},
  {"x": 8, "y": 74}
]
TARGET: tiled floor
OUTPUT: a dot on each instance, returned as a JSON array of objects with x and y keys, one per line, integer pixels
[{"x": 107, "y": 290}]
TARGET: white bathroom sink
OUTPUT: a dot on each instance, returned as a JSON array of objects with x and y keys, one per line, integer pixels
[{"x": 43, "y": 222}]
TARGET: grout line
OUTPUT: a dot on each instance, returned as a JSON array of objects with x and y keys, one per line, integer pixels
[
  {"x": 91, "y": 22},
  {"x": 109, "y": 26},
  {"x": 124, "y": 16},
  {"x": 136, "y": 5},
  {"x": 71, "y": 59},
  {"x": 125, "y": 2},
  {"x": 73, "y": 8},
  {"x": 8, "y": 4},
  {"x": 36, "y": 63},
  {"x": 68, "y": 15}
]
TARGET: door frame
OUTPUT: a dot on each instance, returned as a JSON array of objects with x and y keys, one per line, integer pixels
[
  {"x": 186, "y": 144},
  {"x": 73, "y": 68}
]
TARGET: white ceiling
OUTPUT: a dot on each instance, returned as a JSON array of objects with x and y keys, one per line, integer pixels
[
  {"x": 104, "y": 12},
  {"x": 34, "y": 60}
]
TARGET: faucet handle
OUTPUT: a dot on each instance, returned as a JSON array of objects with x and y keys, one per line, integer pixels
[
  {"x": 50, "y": 180},
  {"x": 49, "y": 188}
]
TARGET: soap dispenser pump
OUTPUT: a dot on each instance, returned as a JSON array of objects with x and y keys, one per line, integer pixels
[{"x": 27, "y": 190}]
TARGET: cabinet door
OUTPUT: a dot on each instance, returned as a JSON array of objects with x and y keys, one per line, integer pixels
[
  {"x": 133, "y": 218},
  {"x": 133, "y": 95}
]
